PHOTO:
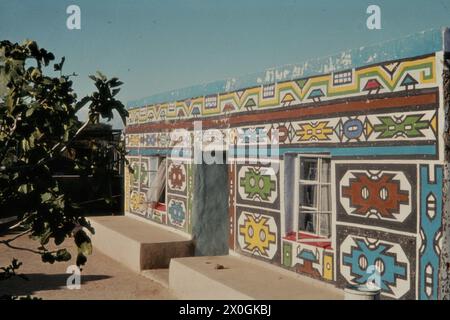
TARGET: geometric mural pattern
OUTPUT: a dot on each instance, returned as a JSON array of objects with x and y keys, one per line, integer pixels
[
  {"x": 362, "y": 258},
  {"x": 365, "y": 81},
  {"x": 177, "y": 213},
  {"x": 384, "y": 195},
  {"x": 138, "y": 202},
  {"x": 420, "y": 126},
  {"x": 383, "y": 202},
  {"x": 310, "y": 260},
  {"x": 257, "y": 234},
  {"x": 430, "y": 231},
  {"x": 140, "y": 168},
  {"x": 179, "y": 188},
  {"x": 379, "y": 195},
  {"x": 254, "y": 184},
  {"x": 258, "y": 185},
  {"x": 416, "y": 126},
  {"x": 176, "y": 177}
]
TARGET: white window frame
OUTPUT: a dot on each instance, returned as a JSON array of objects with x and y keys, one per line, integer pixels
[{"x": 318, "y": 211}]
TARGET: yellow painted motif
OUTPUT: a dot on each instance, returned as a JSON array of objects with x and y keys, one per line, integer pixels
[
  {"x": 257, "y": 235},
  {"x": 328, "y": 267},
  {"x": 315, "y": 132}
]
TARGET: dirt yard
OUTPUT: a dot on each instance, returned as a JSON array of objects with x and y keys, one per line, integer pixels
[{"x": 101, "y": 278}]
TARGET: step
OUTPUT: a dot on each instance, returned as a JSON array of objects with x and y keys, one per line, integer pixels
[
  {"x": 138, "y": 245},
  {"x": 229, "y": 277},
  {"x": 160, "y": 276}
]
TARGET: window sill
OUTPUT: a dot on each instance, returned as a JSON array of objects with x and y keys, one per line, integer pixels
[
  {"x": 160, "y": 207},
  {"x": 307, "y": 238}
]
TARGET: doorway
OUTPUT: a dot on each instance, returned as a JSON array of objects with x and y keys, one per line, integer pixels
[{"x": 210, "y": 208}]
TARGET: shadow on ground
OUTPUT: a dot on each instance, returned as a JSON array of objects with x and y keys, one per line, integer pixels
[{"x": 36, "y": 282}]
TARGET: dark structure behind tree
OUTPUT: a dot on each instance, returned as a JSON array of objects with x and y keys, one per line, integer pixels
[{"x": 89, "y": 194}]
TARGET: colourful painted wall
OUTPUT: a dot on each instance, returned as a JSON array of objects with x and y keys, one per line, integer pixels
[{"x": 378, "y": 112}]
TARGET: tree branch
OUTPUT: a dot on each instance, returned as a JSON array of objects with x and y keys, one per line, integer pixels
[
  {"x": 20, "y": 248},
  {"x": 15, "y": 237}
]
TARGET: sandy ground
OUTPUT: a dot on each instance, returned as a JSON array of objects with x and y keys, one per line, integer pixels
[{"x": 102, "y": 278}]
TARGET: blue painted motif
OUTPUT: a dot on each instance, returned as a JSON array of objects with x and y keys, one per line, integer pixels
[
  {"x": 176, "y": 213},
  {"x": 307, "y": 255},
  {"x": 430, "y": 224},
  {"x": 362, "y": 257},
  {"x": 353, "y": 129}
]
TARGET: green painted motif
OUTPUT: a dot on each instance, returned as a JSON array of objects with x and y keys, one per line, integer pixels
[
  {"x": 257, "y": 185},
  {"x": 409, "y": 127},
  {"x": 139, "y": 173},
  {"x": 287, "y": 254}
]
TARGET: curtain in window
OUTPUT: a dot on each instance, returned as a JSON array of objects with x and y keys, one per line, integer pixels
[{"x": 158, "y": 183}]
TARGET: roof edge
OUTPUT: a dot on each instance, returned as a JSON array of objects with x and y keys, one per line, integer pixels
[{"x": 421, "y": 43}]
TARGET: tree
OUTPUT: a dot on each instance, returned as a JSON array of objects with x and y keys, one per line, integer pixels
[{"x": 38, "y": 123}]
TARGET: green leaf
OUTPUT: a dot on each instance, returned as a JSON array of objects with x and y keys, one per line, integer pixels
[
  {"x": 63, "y": 255},
  {"x": 45, "y": 237},
  {"x": 46, "y": 196},
  {"x": 25, "y": 145},
  {"x": 82, "y": 103},
  {"x": 25, "y": 188},
  {"x": 86, "y": 248},
  {"x": 47, "y": 107},
  {"x": 83, "y": 242},
  {"x": 29, "y": 112}
]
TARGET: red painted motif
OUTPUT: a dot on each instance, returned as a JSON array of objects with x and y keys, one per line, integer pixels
[{"x": 381, "y": 195}]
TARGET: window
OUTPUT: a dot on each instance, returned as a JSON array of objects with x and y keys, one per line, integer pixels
[
  {"x": 308, "y": 197},
  {"x": 157, "y": 181},
  {"x": 314, "y": 185}
]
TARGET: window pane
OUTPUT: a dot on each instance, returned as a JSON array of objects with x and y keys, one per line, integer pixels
[
  {"x": 325, "y": 198},
  {"x": 307, "y": 221},
  {"x": 308, "y": 195},
  {"x": 315, "y": 195},
  {"x": 308, "y": 169},
  {"x": 325, "y": 170},
  {"x": 324, "y": 224}
]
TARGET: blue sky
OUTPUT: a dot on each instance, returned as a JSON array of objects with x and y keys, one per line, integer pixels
[{"x": 155, "y": 46}]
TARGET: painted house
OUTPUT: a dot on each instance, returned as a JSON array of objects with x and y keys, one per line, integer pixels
[{"x": 352, "y": 183}]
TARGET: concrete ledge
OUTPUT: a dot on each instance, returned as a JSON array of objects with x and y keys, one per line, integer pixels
[
  {"x": 228, "y": 277},
  {"x": 160, "y": 276},
  {"x": 138, "y": 245}
]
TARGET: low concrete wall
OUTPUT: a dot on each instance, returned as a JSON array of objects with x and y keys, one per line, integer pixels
[
  {"x": 136, "y": 245},
  {"x": 117, "y": 246},
  {"x": 228, "y": 277},
  {"x": 188, "y": 283}
]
